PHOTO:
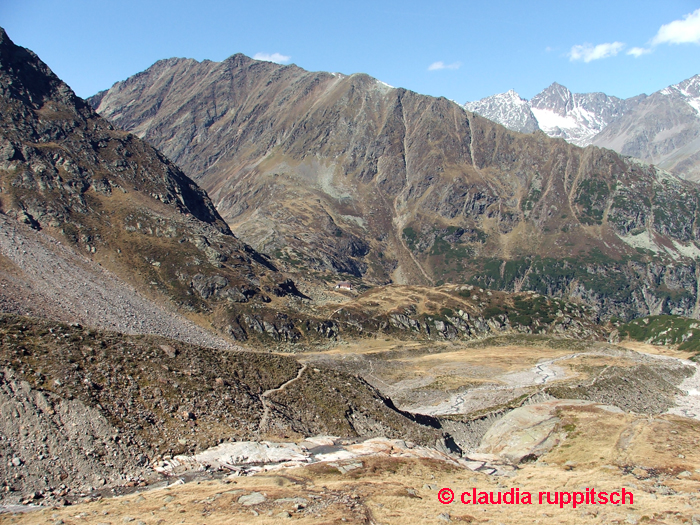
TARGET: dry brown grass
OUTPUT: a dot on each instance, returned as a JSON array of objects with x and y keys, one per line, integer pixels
[
  {"x": 438, "y": 369},
  {"x": 666, "y": 350}
]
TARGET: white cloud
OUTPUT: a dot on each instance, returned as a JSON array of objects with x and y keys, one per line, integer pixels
[
  {"x": 435, "y": 66},
  {"x": 685, "y": 31},
  {"x": 589, "y": 52},
  {"x": 274, "y": 57},
  {"x": 636, "y": 52}
]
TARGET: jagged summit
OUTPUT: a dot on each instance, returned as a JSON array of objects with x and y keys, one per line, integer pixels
[
  {"x": 575, "y": 117},
  {"x": 556, "y": 98},
  {"x": 663, "y": 128},
  {"x": 688, "y": 89},
  {"x": 508, "y": 109}
]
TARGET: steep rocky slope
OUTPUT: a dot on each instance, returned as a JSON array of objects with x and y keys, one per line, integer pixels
[
  {"x": 332, "y": 173},
  {"x": 41, "y": 277},
  {"x": 66, "y": 171},
  {"x": 663, "y": 129}
]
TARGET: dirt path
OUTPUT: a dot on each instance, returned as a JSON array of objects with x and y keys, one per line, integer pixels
[{"x": 267, "y": 393}]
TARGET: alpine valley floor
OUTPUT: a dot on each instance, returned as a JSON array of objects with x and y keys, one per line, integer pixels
[{"x": 533, "y": 437}]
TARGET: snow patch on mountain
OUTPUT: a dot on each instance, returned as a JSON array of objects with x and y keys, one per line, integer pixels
[
  {"x": 508, "y": 109},
  {"x": 689, "y": 90},
  {"x": 575, "y": 117},
  {"x": 578, "y": 126}
]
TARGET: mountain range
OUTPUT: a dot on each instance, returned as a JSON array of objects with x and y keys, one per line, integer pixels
[
  {"x": 98, "y": 230},
  {"x": 148, "y": 299},
  {"x": 662, "y": 128},
  {"x": 337, "y": 175}
]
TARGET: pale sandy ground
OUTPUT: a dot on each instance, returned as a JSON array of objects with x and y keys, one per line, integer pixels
[{"x": 443, "y": 378}]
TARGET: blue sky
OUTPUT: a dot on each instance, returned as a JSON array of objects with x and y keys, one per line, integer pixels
[{"x": 475, "y": 48}]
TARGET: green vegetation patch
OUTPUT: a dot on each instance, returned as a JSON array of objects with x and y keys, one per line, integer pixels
[
  {"x": 410, "y": 236},
  {"x": 665, "y": 330},
  {"x": 591, "y": 196}
]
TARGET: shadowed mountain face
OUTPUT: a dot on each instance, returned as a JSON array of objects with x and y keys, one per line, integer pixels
[
  {"x": 112, "y": 197},
  {"x": 329, "y": 172}
]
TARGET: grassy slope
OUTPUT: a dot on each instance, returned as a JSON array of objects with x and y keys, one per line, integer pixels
[{"x": 665, "y": 330}]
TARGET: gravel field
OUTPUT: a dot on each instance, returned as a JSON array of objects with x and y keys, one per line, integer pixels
[{"x": 52, "y": 281}]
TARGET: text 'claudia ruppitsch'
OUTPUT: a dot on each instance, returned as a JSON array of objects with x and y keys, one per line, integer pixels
[{"x": 515, "y": 496}]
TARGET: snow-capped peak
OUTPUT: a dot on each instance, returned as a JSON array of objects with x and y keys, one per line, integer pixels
[
  {"x": 508, "y": 109},
  {"x": 689, "y": 90},
  {"x": 575, "y": 117}
]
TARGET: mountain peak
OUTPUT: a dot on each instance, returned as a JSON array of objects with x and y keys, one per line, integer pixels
[
  {"x": 508, "y": 109},
  {"x": 34, "y": 83},
  {"x": 575, "y": 117},
  {"x": 556, "y": 98},
  {"x": 240, "y": 60},
  {"x": 689, "y": 87}
]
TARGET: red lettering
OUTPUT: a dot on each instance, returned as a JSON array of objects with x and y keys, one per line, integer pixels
[
  {"x": 509, "y": 500},
  {"x": 514, "y": 497},
  {"x": 625, "y": 493},
  {"x": 561, "y": 499}
]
